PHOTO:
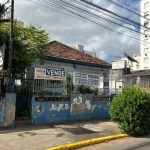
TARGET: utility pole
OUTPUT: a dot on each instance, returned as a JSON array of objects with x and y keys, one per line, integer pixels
[{"x": 11, "y": 40}]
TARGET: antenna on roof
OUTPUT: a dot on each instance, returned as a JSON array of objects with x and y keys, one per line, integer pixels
[{"x": 114, "y": 57}]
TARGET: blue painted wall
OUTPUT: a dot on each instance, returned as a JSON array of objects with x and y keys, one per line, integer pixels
[
  {"x": 80, "y": 107},
  {"x": 101, "y": 108},
  {"x": 7, "y": 110},
  {"x": 2, "y": 106},
  {"x": 44, "y": 113}
]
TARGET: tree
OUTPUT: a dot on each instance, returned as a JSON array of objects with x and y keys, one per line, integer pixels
[
  {"x": 29, "y": 45},
  {"x": 3, "y": 12},
  {"x": 131, "y": 110}
]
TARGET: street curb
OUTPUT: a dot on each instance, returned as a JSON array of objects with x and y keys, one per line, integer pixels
[{"x": 72, "y": 146}]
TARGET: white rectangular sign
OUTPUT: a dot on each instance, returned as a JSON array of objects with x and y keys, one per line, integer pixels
[
  {"x": 49, "y": 74},
  {"x": 118, "y": 64},
  {"x": 86, "y": 79}
]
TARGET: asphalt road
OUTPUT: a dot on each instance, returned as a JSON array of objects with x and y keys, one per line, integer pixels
[{"x": 129, "y": 143}]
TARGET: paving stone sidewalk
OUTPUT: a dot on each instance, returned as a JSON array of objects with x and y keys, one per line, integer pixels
[{"x": 41, "y": 137}]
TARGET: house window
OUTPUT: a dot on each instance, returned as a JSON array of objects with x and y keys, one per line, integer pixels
[
  {"x": 146, "y": 60},
  {"x": 146, "y": 5}
]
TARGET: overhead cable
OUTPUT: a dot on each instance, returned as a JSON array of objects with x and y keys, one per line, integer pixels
[{"x": 102, "y": 25}]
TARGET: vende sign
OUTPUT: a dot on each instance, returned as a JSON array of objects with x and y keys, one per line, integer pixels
[
  {"x": 49, "y": 74},
  {"x": 86, "y": 79}
]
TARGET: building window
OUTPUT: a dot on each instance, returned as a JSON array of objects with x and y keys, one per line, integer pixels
[
  {"x": 146, "y": 14},
  {"x": 137, "y": 64},
  {"x": 146, "y": 5},
  {"x": 146, "y": 51},
  {"x": 146, "y": 41},
  {"x": 146, "y": 60},
  {"x": 146, "y": 23},
  {"x": 146, "y": 33}
]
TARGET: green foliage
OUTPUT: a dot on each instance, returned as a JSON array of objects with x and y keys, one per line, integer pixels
[
  {"x": 68, "y": 84},
  {"x": 29, "y": 133},
  {"x": 56, "y": 93},
  {"x": 22, "y": 112},
  {"x": 46, "y": 92},
  {"x": 95, "y": 91},
  {"x": 29, "y": 45},
  {"x": 23, "y": 88},
  {"x": 100, "y": 92},
  {"x": 83, "y": 89},
  {"x": 131, "y": 110},
  {"x": 3, "y": 11}
]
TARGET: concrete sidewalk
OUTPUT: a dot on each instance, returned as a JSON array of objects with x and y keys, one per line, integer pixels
[{"x": 41, "y": 137}]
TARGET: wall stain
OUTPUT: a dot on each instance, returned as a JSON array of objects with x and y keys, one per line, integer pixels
[{"x": 59, "y": 107}]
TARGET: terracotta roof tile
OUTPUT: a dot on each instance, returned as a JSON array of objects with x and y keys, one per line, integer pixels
[{"x": 59, "y": 50}]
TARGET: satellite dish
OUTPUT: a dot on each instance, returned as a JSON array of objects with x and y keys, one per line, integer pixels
[{"x": 130, "y": 58}]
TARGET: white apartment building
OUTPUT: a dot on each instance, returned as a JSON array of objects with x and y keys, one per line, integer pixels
[
  {"x": 145, "y": 50},
  {"x": 136, "y": 66},
  {"x": 81, "y": 49},
  {"x": 126, "y": 63}
]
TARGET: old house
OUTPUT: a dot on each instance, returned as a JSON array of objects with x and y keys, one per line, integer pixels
[{"x": 79, "y": 69}]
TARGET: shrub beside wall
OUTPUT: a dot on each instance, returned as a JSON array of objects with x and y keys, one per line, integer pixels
[{"x": 131, "y": 110}]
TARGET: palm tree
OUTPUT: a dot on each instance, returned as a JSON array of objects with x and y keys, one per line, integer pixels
[{"x": 3, "y": 11}]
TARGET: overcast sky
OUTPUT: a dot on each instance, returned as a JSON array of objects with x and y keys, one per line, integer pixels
[{"x": 71, "y": 31}]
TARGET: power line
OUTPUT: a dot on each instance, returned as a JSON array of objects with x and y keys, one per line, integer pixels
[
  {"x": 56, "y": 10},
  {"x": 121, "y": 6},
  {"x": 129, "y": 6},
  {"x": 111, "y": 12},
  {"x": 106, "y": 20},
  {"x": 104, "y": 26},
  {"x": 60, "y": 7},
  {"x": 95, "y": 15},
  {"x": 107, "y": 14}
]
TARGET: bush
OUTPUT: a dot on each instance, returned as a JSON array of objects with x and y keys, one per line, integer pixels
[
  {"x": 83, "y": 89},
  {"x": 131, "y": 110}
]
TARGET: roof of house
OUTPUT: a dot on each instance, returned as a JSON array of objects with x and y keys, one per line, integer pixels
[{"x": 59, "y": 50}]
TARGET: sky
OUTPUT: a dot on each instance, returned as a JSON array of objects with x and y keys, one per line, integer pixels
[{"x": 72, "y": 31}]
